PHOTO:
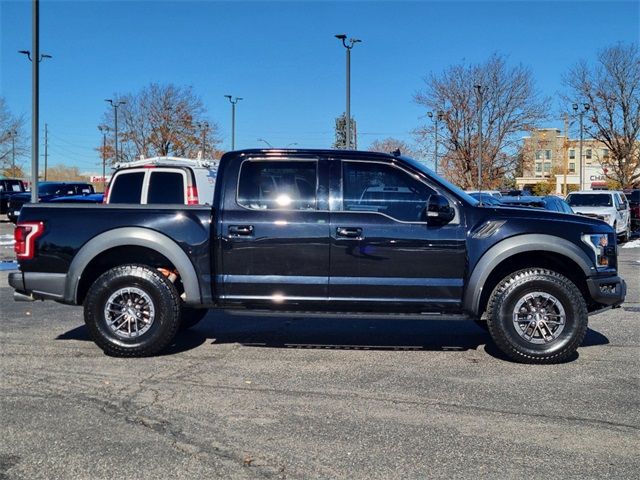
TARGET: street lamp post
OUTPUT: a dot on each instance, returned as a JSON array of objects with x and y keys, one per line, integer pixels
[
  {"x": 348, "y": 44},
  {"x": 268, "y": 144},
  {"x": 115, "y": 105},
  {"x": 480, "y": 89},
  {"x": 104, "y": 129},
  {"x": 585, "y": 109},
  {"x": 233, "y": 102},
  {"x": 438, "y": 117},
  {"x": 35, "y": 94}
]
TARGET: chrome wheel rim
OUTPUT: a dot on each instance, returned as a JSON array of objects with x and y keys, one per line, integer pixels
[
  {"x": 129, "y": 312},
  {"x": 539, "y": 318}
]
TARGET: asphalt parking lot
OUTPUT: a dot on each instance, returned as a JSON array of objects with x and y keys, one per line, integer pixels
[{"x": 311, "y": 396}]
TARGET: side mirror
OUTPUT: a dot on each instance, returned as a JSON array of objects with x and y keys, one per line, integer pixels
[{"x": 439, "y": 212}]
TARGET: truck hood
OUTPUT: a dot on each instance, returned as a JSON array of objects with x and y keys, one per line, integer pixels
[
  {"x": 543, "y": 216},
  {"x": 595, "y": 210}
]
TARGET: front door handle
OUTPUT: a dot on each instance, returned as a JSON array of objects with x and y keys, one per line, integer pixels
[
  {"x": 241, "y": 230},
  {"x": 349, "y": 232}
]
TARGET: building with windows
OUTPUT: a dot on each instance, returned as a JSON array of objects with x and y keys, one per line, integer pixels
[{"x": 547, "y": 155}]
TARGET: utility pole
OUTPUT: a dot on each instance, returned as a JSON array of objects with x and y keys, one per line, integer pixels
[
  {"x": 348, "y": 45},
  {"x": 46, "y": 149},
  {"x": 480, "y": 91},
  {"x": 13, "y": 134},
  {"x": 233, "y": 102}
]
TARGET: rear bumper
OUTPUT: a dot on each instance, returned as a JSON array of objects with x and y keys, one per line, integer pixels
[
  {"x": 39, "y": 285},
  {"x": 609, "y": 291}
]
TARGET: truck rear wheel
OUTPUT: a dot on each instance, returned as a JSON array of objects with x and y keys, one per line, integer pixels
[
  {"x": 132, "y": 311},
  {"x": 536, "y": 315}
]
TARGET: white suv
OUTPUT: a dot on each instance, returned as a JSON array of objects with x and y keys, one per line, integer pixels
[
  {"x": 163, "y": 180},
  {"x": 608, "y": 206}
]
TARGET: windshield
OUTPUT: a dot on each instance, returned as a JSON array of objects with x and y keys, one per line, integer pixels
[
  {"x": 457, "y": 190},
  {"x": 589, "y": 200}
]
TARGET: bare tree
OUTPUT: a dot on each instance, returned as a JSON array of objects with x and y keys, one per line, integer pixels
[
  {"x": 510, "y": 106},
  {"x": 391, "y": 144},
  {"x": 11, "y": 135},
  {"x": 611, "y": 87},
  {"x": 65, "y": 173},
  {"x": 161, "y": 120}
]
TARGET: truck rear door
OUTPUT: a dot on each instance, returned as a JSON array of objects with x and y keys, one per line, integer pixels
[{"x": 274, "y": 232}]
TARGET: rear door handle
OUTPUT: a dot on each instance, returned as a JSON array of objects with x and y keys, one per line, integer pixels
[
  {"x": 349, "y": 232},
  {"x": 241, "y": 230}
]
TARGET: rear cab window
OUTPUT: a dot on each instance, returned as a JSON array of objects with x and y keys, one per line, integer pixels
[{"x": 149, "y": 186}]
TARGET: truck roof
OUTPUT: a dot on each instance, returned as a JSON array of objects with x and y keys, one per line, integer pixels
[{"x": 168, "y": 161}]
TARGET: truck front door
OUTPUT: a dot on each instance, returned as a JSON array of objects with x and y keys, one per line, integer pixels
[{"x": 383, "y": 253}]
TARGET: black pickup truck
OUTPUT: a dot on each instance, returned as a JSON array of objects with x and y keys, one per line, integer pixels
[{"x": 322, "y": 230}]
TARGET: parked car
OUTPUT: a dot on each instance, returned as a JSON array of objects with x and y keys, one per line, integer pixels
[
  {"x": 493, "y": 193},
  {"x": 8, "y": 188},
  {"x": 606, "y": 205},
  {"x": 633, "y": 196},
  {"x": 161, "y": 180},
  {"x": 142, "y": 272},
  {"x": 548, "y": 202},
  {"x": 47, "y": 191},
  {"x": 516, "y": 193},
  {"x": 89, "y": 198},
  {"x": 486, "y": 198}
]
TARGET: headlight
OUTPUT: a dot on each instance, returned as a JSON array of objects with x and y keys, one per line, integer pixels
[{"x": 598, "y": 242}]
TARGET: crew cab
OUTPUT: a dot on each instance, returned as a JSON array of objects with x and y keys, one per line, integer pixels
[
  {"x": 327, "y": 231},
  {"x": 47, "y": 191}
]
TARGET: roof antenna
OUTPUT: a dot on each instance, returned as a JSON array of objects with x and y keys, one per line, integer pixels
[{"x": 396, "y": 152}]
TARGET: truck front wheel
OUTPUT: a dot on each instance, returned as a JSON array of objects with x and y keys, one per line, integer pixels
[
  {"x": 536, "y": 315},
  {"x": 132, "y": 311}
]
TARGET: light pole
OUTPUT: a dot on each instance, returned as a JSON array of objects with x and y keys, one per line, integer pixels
[
  {"x": 348, "y": 44},
  {"x": 233, "y": 102},
  {"x": 585, "y": 109},
  {"x": 203, "y": 126},
  {"x": 265, "y": 142},
  {"x": 437, "y": 119},
  {"x": 104, "y": 129},
  {"x": 35, "y": 94},
  {"x": 480, "y": 90},
  {"x": 115, "y": 105}
]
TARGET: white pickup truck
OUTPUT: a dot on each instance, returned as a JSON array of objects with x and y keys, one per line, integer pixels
[{"x": 609, "y": 206}]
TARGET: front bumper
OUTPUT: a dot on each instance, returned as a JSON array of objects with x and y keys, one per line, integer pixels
[{"x": 609, "y": 291}]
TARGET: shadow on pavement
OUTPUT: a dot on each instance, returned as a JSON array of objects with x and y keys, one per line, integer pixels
[{"x": 335, "y": 332}]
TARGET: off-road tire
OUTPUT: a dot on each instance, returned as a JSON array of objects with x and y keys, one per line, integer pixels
[
  {"x": 512, "y": 290},
  {"x": 166, "y": 304},
  {"x": 191, "y": 316}
]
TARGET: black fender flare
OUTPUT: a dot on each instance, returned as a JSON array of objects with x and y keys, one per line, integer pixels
[
  {"x": 513, "y": 246},
  {"x": 134, "y": 236}
]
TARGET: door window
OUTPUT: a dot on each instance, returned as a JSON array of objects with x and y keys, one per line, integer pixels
[
  {"x": 281, "y": 185},
  {"x": 380, "y": 188}
]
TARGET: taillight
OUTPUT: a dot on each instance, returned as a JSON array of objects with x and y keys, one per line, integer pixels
[
  {"x": 106, "y": 194},
  {"x": 192, "y": 195},
  {"x": 25, "y": 236}
]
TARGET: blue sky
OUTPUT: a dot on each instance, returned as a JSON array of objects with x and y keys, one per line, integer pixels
[{"x": 282, "y": 58}]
